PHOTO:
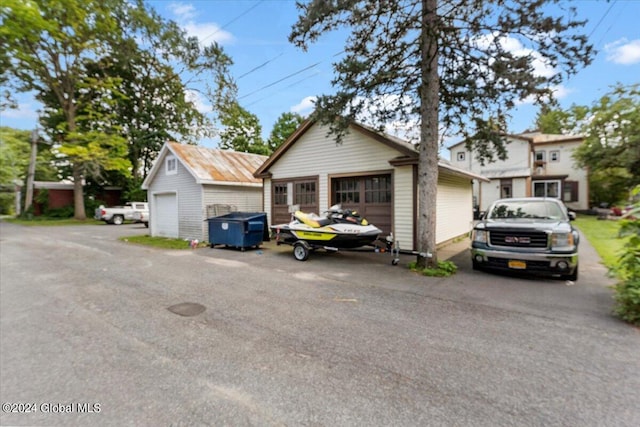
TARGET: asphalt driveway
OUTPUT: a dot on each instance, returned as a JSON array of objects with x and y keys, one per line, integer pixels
[{"x": 342, "y": 339}]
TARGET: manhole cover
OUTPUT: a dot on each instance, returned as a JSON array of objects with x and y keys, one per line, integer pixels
[{"x": 187, "y": 309}]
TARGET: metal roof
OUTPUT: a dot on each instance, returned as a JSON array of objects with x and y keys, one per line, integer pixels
[{"x": 210, "y": 166}]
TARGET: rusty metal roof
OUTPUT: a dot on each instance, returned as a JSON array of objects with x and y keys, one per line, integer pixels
[{"x": 223, "y": 166}]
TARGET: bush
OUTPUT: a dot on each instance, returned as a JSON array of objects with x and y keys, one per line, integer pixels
[
  {"x": 445, "y": 269},
  {"x": 627, "y": 269}
]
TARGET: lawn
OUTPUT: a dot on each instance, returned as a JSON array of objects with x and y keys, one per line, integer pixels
[
  {"x": 603, "y": 236},
  {"x": 160, "y": 242},
  {"x": 44, "y": 221}
]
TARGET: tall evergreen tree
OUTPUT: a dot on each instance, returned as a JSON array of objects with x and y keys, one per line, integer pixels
[{"x": 446, "y": 64}]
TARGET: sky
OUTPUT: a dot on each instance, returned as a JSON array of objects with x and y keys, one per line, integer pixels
[{"x": 274, "y": 76}]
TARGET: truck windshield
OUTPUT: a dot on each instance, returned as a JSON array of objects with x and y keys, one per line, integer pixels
[{"x": 526, "y": 209}]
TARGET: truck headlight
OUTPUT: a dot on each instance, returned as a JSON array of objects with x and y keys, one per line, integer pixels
[
  {"x": 479, "y": 236},
  {"x": 562, "y": 241}
]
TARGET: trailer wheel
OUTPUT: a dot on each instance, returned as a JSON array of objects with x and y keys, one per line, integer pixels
[{"x": 301, "y": 251}]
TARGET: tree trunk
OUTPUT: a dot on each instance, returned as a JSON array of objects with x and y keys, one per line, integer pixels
[
  {"x": 428, "y": 153},
  {"x": 78, "y": 194}
]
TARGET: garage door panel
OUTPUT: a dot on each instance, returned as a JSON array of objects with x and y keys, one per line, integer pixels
[
  {"x": 368, "y": 195},
  {"x": 165, "y": 223}
]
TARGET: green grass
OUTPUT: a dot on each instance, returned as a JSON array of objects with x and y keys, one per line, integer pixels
[
  {"x": 160, "y": 242},
  {"x": 603, "y": 236},
  {"x": 43, "y": 221}
]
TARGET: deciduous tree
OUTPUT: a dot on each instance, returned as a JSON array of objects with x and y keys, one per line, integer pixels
[{"x": 286, "y": 124}]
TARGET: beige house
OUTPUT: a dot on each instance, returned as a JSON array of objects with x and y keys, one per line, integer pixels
[
  {"x": 370, "y": 172},
  {"x": 539, "y": 165}
]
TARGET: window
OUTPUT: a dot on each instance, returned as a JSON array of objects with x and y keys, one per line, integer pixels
[
  {"x": 506, "y": 187},
  {"x": 377, "y": 189},
  {"x": 461, "y": 156},
  {"x": 554, "y": 156},
  {"x": 546, "y": 189},
  {"x": 570, "y": 191},
  {"x": 305, "y": 193},
  {"x": 280, "y": 194},
  {"x": 171, "y": 165},
  {"x": 539, "y": 156},
  {"x": 347, "y": 190}
]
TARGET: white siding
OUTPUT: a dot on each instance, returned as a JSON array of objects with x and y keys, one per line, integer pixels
[
  {"x": 566, "y": 166},
  {"x": 403, "y": 207},
  {"x": 315, "y": 155},
  {"x": 189, "y": 195},
  {"x": 454, "y": 216},
  {"x": 245, "y": 199}
]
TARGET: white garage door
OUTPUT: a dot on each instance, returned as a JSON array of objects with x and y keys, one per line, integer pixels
[{"x": 166, "y": 215}]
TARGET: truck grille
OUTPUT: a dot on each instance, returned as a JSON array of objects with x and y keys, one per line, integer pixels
[{"x": 518, "y": 239}]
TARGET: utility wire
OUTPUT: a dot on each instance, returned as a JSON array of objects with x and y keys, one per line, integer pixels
[
  {"x": 289, "y": 76},
  {"x": 297, "y": 82},
  {"x": 282, "y": 79},
  {"x": 232, "y": 21},
  {"x": 602, "y": 18},
  {"x": 260, "y": 66}
]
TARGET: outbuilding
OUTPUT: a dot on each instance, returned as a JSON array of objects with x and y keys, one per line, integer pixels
[
  {"x": 189, "y": 183},
  {"x": 373, "y": 173}
]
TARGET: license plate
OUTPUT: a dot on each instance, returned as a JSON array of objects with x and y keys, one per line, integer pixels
[{"x": 519, "y": 265}]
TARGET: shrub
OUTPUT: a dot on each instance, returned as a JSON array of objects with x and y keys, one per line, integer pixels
[
  {"x": 444, "y": 269},
  {"x": 627, "y": 269}
]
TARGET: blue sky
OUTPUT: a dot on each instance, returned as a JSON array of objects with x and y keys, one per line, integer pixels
[{"x": 273, "y": 76}]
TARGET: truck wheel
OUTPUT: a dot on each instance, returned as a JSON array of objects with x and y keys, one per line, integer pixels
[
  {"x": 301, "y": 251},
  {"x": 118, "y": 219},
  {"x": 573, "y": 276}
]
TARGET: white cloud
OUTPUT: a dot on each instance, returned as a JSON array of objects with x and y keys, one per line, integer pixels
[
  {"x": 199, "y": 102},
  {"x": 305, "y": 106},
  {"x": 206, "y": 32},
  {"x": 559, "y": 92},
  {"x": 623, "y": 51},
  {"x": 514, "y": 46},
  {"x": 182, "y": 10}
]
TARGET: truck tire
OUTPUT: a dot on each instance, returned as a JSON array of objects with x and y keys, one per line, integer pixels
[{"x": 118, "y": 219}]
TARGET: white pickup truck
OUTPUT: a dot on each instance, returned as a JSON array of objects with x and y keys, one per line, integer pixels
[
  {"x": 119, "y": 214},
  {"x": 141, "y": 216}
]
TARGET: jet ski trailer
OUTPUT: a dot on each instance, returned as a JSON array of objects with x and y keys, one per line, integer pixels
[{"x": 337, "y": 230}]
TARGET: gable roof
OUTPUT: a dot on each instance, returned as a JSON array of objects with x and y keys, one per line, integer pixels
[
  {"x": 407, "y": 151},
  {"x": 211, "y": 166},
  {"x": 536, "y": 138}
]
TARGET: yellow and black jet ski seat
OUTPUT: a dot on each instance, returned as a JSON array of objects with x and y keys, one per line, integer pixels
[{"x": 312, "y": 220}]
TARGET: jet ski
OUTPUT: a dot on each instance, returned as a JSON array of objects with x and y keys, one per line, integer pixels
[{"x": 337, "y": 229}]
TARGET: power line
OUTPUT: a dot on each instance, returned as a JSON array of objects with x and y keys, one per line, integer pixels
[
  {"x": 289, "y": 76},
  {"x": 280, "y": 80},
  {"x": 233, "y": 20},
  {"x": 602, "y": 18},
  {"x": 297, "y": 82},
  {"x": 260, "y": 66}
]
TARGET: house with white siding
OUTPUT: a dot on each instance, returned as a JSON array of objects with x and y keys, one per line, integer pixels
[
  {"x": 537, "y": 164},
  {"x": 373, "y": 173},
  {"x": 189, "y": 183}
]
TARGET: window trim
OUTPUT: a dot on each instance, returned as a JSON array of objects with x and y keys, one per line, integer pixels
[
  {"x": 460, "y": 156},
  {"x": 171, "y": 165},
  {"x": 557, "y": 153}
]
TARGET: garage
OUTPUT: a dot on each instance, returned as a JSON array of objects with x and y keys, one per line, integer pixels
[
  {"x": 367, "y": 171},
  {"x": 165, "y": 218}
]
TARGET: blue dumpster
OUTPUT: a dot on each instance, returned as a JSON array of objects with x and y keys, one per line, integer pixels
[{"x": 238, "y": 229}]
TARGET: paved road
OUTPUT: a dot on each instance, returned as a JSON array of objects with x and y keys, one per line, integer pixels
[{"x": 342, "y": 339}]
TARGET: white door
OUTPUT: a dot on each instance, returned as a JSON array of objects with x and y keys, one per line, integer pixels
[{"x": 165, "y": 217}]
